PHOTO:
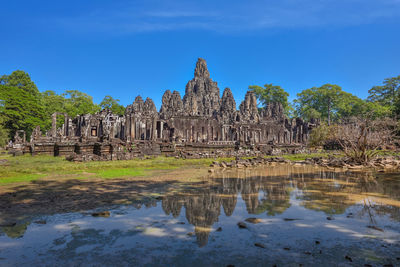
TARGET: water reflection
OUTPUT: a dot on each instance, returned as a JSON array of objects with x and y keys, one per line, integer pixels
[
  {"x": 285, "y": 198},
  {"x": 269, "y": 191}
]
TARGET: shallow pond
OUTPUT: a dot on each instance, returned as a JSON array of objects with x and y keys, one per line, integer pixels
[{"x": 289, "y": 216}]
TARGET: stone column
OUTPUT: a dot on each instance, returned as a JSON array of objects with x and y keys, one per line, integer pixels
[
  {"x": 127, "y": 129},
  {"x": 161, "y": 130},
  {"x": 54, "y": 124},
  {"x": 132, "y": 128},
  {"x": 154, "y": 134},
  {"x": 66, "y": 125}
]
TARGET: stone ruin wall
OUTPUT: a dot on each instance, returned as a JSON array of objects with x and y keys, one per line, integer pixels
[{"x": 200, "y": 124}]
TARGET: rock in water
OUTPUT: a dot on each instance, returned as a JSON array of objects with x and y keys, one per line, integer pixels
[
  {"x": 253, "y": 220},
  {"x": 259, "y": 245},
  {"x": 104, "y": 214},
  {"x": 242, "y": 225},
  {"x": 348, "y": 258}
]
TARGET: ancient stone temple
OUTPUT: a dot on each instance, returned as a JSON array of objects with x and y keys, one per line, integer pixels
[{"x": 201, "y": 124}]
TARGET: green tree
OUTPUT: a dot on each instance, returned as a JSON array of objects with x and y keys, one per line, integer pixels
[
  {"x": 386, "y": 94},
  {"x": 327, "y": 102},
  {"x": 21, "y": 80},
  {"x": 77, "y": 103},
  {"x": 319, "y": 135},
  {"x": 21, "y": 106},
  {"x": 4, "y": 133},
  {"x": 112, "y": 104},
  {"x": 21, "y": 110},
  {"x": 272, "y": 93},
  {"x": 52, "y": 103}
]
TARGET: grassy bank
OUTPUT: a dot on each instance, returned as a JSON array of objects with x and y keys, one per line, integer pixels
[{"x": 28, "y": 168}]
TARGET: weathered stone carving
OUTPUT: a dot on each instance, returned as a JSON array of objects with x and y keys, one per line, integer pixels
[
  {"x": 200, "y": 124},
  {"x": 202, "y": 90}
]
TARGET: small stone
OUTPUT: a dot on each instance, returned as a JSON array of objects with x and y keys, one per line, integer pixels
[
  {"x": 286, "y": 248},
  {"x": 242, "y": 225},
  {"x": 367, "y": 265},
  {"x": 317, "y": 242},
  {"x": 190, "y": 234},
  {"x": 219, "y": 229},
  {"x": 180, "y": 222},
  {"x": 348, "y": 258},
  {"x": 307, "y": 252},
  {"x": 259, "y": 245},
  {"x": 290, "y": 219},
  {"x": 104, "y": 214},
  {"x": 329, "y": 218},
  {"x": 253, "y": 220},
  {"x": 40, "y": 222}
]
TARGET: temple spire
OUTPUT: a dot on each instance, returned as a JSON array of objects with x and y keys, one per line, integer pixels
[{"x": 201, "y": 70}]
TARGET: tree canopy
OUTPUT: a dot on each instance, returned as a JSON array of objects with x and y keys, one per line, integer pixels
[
  {"x": 330, "y": 103},
  {"x": 386, "y": 94},
  {"x": 320, "y": 102},
  {"x": 112, "y": 104},
  {"x": 21, "y": 80},
  {"x": 271, "y": 93},
  {"x": 21, "y": 107},
  {"x": 78, "y": 103},
  {"x": 385, "y": 98}
]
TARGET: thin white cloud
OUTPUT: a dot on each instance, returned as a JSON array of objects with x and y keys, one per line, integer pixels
[{"x": 234, "y": 16}]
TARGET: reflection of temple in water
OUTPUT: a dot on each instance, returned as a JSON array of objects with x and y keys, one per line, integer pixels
[{"x": 266, "y": 190}]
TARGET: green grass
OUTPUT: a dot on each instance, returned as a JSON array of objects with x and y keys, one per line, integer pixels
[
  {"x": 297, "y": 157},
  {"x": 28, "y": 168},
  {"x": 20, "y": 178}
]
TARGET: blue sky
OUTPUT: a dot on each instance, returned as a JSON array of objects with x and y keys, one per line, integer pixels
[{"x": 127, "y": 48}]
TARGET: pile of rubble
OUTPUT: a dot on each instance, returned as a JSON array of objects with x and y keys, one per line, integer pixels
[
  {"x": 386, "y": 163},
  {"x": 251, "y": 162},
  {"x": 380, "y": 163}
]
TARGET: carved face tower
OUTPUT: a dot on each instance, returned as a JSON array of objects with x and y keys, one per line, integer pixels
[{"x": 202, "y": 96}]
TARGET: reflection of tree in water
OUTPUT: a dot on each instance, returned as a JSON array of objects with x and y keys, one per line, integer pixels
[
  {"x": 16, "y": 231},
  {"x": 331, "y": 192},
  {"x": 334, "y": 192},
  {"x": 325, "y": 192}
]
